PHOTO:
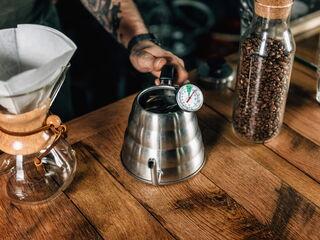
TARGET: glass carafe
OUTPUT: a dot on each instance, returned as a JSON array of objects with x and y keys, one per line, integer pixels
[
  {"x": 318, "y": 72},
  {"x": 5, "y": 164},
  {"x": 266, "y": 57},
  {"x": 40, "y": 163}
]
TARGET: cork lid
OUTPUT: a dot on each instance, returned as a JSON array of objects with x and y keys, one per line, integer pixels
[
  {"x": 275, "y": 3},
  {"x": 273, "y": 9}
]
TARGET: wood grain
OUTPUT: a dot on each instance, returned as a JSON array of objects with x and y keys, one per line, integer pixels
[
  {"x": 195, "y": 209},
  {"x": 306, "y": 48},
  {"x": 58, "y": 219},
  {"x": 302, "y": 152},
  {"x": 111, "y": 209},
  {"x": 264, "y": 156},
  {"x": 289, "y": 144},
  {"x": 303, "y": 111},
  {"x": 244, "y": 191},
  {"x": 254, "y": 187},
  {"x": 267, "y": 197},
  {"x": 90, "y": 124},
  {"x": 303, "y": 114}
]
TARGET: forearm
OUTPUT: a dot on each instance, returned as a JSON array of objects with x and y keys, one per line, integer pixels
[
  {"x": 119, "y": 17},
  {"x": 131, "y": 22}
]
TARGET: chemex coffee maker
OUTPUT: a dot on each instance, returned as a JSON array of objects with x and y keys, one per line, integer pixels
[
  {"x": 163, "y": 142},
  {"x": 37, "y": 163}
]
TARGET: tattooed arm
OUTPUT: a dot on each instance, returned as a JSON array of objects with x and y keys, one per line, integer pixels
[
  {"x": 123, "y": 20},
  {"x": 119, "y": 17}
]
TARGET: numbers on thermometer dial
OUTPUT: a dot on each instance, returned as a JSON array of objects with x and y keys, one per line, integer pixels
[{"x": 190, "y": 98}]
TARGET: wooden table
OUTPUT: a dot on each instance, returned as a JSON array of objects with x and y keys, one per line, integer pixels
[{"x": 269, "y": 191}]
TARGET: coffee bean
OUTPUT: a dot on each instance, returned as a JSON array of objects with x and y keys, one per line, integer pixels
[{"x": 261, "y": 88}]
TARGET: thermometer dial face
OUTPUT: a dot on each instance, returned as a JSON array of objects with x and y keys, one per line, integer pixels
[{"x": 190, "y": 98}]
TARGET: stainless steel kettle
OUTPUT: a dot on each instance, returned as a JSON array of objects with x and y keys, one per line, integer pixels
[{"x": 162, "y": 144}]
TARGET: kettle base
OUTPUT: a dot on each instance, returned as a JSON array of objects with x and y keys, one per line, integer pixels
[{"x": 163, "y": 183}]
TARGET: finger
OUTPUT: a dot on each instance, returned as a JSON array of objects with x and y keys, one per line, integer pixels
[
  {"x": 181, "y": 62},
  {"x": 142, "y": 61},
  {"x": 159, "y": 63},
  {"x": 157, "y": 82},
  {"x": 182, "y": 74},
  {"x": 156, "y": 73},
  {"x": 156, "y": 51},
  {"x": 159, "y": 52}
]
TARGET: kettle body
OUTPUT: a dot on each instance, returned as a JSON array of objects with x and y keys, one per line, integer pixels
[{"x": 162, "y": 147}]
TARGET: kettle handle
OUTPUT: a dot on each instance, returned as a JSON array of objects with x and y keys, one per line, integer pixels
[{"x": 167, "y": 76}]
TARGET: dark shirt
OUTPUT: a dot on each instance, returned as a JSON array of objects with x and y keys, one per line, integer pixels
[{"x": 13, "y": 12}]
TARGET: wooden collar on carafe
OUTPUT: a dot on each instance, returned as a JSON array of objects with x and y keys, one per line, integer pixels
[
  {"x": 23, "y": 134},
  {"x": 273, "y": 9}
]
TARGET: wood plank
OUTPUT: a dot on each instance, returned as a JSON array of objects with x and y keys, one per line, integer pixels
[
  {"x": 306, "y": 48},
  {"x": 107, "y": 205},
  {"x": 303, "y": 153},
  {"x": 303, "y": 81},
  {"x": 288, "y": 214},
  {"x": 221, "y": 101},
  {"x": 272, "y": 201},
  {"x": 303, "y": 111},
  {"x": 230, "y": 164},
  {"x": 290, "y": 145},
  {"x": 58, "y": 219},
  {"x": 89, "y": 124},
  {"x": 265, "y": 157},
  {"x": 195, "y": 209}
]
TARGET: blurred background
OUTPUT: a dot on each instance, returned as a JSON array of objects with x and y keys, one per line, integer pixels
[{"x": 195, "y": 30}]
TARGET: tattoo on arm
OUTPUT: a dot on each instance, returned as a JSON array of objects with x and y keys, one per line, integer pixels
[
  {"x": 106, "y": 13},
  {"x": 116, "y": 19},
  {"x": 119, "y": 17}
]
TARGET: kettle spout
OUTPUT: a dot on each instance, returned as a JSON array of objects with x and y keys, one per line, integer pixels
[{"x": 155, "y": 171}]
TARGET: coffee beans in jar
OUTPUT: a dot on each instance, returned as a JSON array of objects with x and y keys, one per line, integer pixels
[
  {"x": 261, "y": 88},
  {"x": 266, "y": 57}
]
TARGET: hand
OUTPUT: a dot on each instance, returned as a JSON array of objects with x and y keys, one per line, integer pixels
[{"x": 146, "y": 56}]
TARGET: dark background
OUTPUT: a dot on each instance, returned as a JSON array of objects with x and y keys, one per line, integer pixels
[
  {"x": 101, "y": 72},
  {"x": 195, "y": 30}
]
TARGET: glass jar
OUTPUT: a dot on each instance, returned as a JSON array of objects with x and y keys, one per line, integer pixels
[
  {"x": 38, "y": 162},
  {"x": 318, "y": 72},
  {"x": 301, "y": 8},
  {"x": 266, "y": 58},
  {"x": 246, "y": 14}
]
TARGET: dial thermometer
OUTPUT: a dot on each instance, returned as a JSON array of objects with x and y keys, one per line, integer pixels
[{"x": 189, "y": 98}]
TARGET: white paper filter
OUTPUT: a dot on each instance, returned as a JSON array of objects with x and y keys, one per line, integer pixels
[{"x": 31, "y": 57}]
